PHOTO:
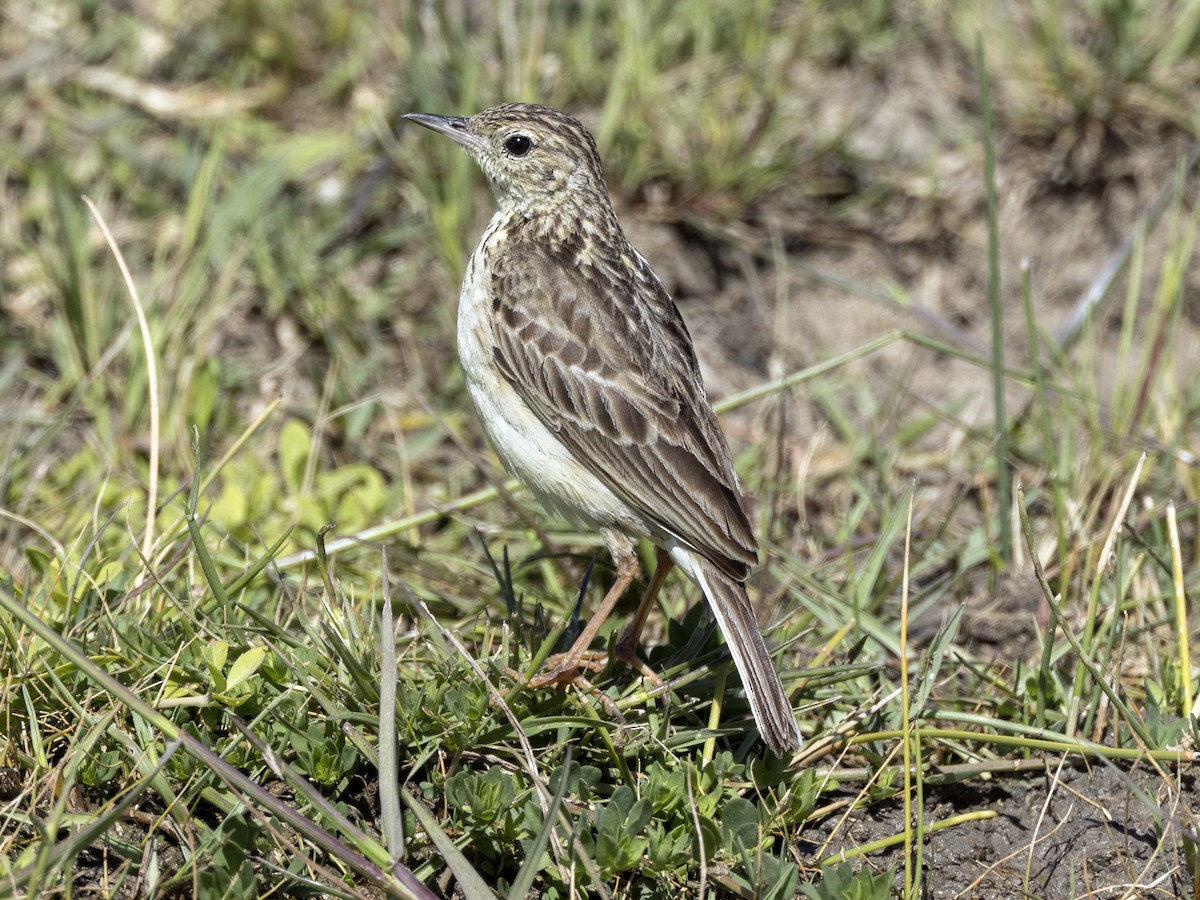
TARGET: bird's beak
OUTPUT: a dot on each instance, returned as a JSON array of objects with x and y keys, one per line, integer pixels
[{"x": 457, "y": 128}]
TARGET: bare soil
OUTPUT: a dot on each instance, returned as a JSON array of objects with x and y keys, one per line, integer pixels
[{"x": 1100, "y": 832}]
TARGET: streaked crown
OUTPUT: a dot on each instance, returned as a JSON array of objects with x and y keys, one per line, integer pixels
[{"x": 538, "y": 161}]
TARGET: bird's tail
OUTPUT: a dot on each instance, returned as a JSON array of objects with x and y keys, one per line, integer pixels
[{"x": 730, "y": 605}]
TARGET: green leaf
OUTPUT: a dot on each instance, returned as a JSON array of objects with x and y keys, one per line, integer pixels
[
  {"x": 667, "y": 791},
  {"x": 215, "y": 655},
  {"x": 295, "y": 443},
  {"x": 232, "y": 509},
  {"x": 205, "y": 390},
  {"x": 739, "y": 825},
  {"x": 228, "y": 875},
  {"x": 840, "y": 882},
  {"x": 245, "y": 666},
  {"x": 708, "y": 839},
  {"x": 619, "y": 825},
  {"x": 777, "y": 878},
  {"x": 495, "y": 795}
]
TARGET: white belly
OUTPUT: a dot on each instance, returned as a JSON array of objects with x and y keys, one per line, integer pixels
[{"x": 528, "y": 449}]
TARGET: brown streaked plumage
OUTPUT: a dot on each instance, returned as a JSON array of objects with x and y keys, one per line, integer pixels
[{"x": 586, "y": 383}]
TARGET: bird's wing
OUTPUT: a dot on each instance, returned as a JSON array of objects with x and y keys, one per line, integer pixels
[{"x": 600, "y": 354}]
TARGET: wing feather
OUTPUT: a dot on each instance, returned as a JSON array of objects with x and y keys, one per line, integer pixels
[{"x": 601, "y": 356}]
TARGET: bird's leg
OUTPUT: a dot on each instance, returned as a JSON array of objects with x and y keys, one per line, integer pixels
[
  {"x": 564, "y": 668},
  {"x": 626, "y": 649},
  {"x": 606, "y": 701}
]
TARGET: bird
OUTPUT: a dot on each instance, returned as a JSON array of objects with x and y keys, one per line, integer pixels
[{"x": 586, "y": 383}]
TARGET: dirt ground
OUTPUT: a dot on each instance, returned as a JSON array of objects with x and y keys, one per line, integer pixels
[{"x": 1102, "y": 832}]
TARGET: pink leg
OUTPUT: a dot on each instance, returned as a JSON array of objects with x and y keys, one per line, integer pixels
[
  {"x": 566, "y": 666},
  {"x": 627, "y": 646}
]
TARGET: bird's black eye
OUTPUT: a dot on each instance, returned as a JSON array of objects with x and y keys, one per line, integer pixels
[{"x": 518, "y": 145}]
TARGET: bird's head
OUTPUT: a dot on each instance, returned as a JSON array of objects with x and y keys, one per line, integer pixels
[{"x": 538, "y": 160}]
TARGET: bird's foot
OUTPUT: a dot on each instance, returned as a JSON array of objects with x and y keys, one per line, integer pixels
[
  {"x": 566, "y": 668},
  {"x": 563, "y": 671},
  {"x": 626, "y": 652}
]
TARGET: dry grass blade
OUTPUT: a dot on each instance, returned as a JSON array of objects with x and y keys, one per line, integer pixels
[{"x": 151, "y": 374}]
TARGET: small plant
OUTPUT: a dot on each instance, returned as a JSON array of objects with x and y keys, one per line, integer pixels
[{"x": 841, "y": 882}]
